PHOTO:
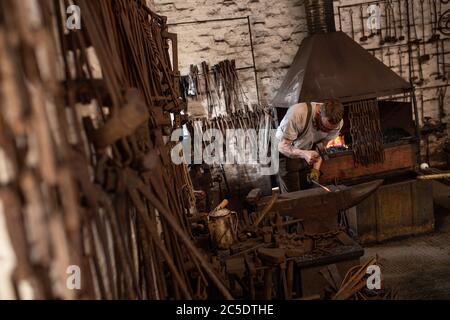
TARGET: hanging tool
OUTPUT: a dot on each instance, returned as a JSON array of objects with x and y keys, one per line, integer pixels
[
  {"x": 437, "y": 74},
  {"x": 444, "y": 66},
  {"x": 421, "y": 78},
  {"x": 441, "y": 99},
  {"x": 387, "y": 13},
  {"x": 411, "y": 68},
  {"x": 364, "y": 37},
  {"x": 372, "y": 33},
  {"x": 389, "y": 53},
  {"x": 424, "y": 57},
  {"x": 433, "y": 20},
  {"x": 352, "y": 23},
  {"x": 400, "y": 61},
  {"x": 393, "y": 23},
  {"x": 416, "y": 39},
  {"x": 380, "y": 32},
  {"x": 422, "y": 108},
  {"x": 400, "y": 13}
]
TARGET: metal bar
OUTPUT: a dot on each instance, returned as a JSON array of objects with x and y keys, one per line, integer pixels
[
  {"x": 416, "y": 116},
  {"x": 363, "y": 3},
  {"x": 399, "y": 45},
  {"x": 205, "y": 21},
  {"x": 251, "y": 44},
  {"x": 237, "y": 69},
  {"x": 254, "y": 60}
]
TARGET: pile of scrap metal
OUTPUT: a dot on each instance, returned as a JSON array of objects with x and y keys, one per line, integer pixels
[
  {"x": 355, "y": 284},
  {"x": 263, "y": 255},
  {"x": 89, "y": 180},
  {"x": 259, "y": 262}
]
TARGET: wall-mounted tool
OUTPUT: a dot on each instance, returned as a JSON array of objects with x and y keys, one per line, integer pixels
[
  {"x": 400, "y": 62},
  {"x": 364, "y": 38},
  {"x": 373, "y": 33},
  {"x": 400, "y": 14},
  {"x": 433, "y": 20},
  {"x": 422, "y": 108},
  {"x": 392, "y": 23},
  {"x": 417, "y": 79},
  {"x": 441, "y": 103},
  {"x": 444, "y": 67},
  {"x": 387, "y": 14},
  {"x": 421, "y": 78},
  {"x": 350, "y": 12},
  {"x": 380, "y": 32},
  {"x": 437, "y": 75},
  {"x": 424, "y": 57},
  {"x": 388, "y": 54},
  {"x": 382, "y": 54}
]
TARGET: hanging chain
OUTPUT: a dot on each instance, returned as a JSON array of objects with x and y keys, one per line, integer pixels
[{"x": 365, "y": 128}]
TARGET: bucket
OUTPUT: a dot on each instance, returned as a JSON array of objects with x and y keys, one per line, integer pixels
[{"x": 223, "y": 228}]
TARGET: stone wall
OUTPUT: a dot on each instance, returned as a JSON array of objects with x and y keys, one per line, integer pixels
[{"x": 278, "y": 28}]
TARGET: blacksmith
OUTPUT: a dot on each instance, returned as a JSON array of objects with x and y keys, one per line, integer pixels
[{"x": 304, "y": 127}]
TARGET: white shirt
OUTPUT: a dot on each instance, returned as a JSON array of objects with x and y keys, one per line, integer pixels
[{"x": 294, "y": 122}]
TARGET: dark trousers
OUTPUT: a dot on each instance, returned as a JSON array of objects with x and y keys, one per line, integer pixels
[{"x": 293, "y": 174}]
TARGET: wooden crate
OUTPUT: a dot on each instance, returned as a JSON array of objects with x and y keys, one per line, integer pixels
[{"x": 395, "y": 210}]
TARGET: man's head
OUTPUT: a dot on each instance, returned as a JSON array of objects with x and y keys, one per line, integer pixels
[{"x": 331, "y": 115}]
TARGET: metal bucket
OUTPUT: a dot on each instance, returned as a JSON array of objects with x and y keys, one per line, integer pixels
[{"x": 223, "y": 228}]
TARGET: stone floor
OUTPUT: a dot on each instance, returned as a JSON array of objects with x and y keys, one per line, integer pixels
[{"x": 418, "y": 267}]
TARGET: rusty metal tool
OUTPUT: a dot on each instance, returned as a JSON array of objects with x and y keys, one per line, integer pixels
[
  {"x": 267, "y": 209},
  {"x": 364, "y": 38},
  {"x": 321, "y": 186},
  {"x": 394, "y": 24},
  {"x": 424, "y": 57},
  {"x": 400, "y": 62},
  {"x": 400, "y": 13}
]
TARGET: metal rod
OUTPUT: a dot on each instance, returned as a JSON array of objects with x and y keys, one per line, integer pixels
[
  {"x": 416, "y": 115},
  {"x": 253, "y": 57},
  {"x": 205, "y": 21},
  {"x": 321, "y": 186},
  {"x": 434, "y": 176},
  {"x": 363, "y": 3}
]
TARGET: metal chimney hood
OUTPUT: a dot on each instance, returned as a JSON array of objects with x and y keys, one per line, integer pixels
[{"x": 330, "y": 64}]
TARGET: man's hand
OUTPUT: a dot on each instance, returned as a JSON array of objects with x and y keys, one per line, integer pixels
[{"x": 311, "y": 156}]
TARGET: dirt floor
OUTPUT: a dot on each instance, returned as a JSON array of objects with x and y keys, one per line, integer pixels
[{"x": 418, "y": 267}]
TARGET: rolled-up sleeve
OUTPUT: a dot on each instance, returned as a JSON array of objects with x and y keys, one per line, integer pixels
[{"x": 292, "y": 123}]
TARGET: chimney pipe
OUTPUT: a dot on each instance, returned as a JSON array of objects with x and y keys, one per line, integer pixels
[{"x": 320, "y": 16}]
